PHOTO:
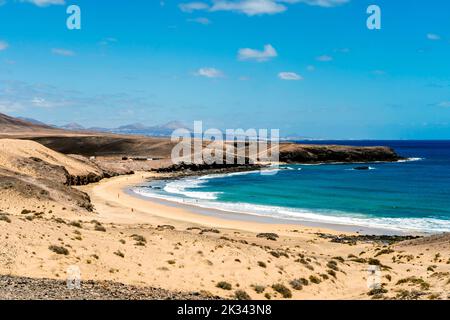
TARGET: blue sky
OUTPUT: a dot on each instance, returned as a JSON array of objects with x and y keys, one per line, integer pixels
[{"x": 308, "y": 67}]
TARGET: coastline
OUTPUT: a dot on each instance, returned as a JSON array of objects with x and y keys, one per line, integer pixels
[
  {"x": 129, "y": 241},
  {"x": 174, "y": 212},
  {"x": 218, "y": 216},
  {"x": 137, "y": 242}
]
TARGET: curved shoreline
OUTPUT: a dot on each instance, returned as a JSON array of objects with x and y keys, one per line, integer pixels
[{"x": 118, "y": 190}]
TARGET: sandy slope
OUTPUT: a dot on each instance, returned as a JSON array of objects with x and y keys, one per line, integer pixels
[
  {"x": 33, "y": 177},
  {"x": 134, "y": 250},
  {"x": 137, "y": 242},
  {"x": 12, "y": 150}
]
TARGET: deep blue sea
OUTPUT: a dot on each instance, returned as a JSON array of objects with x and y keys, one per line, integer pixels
[{"x": 411, "y": 195}]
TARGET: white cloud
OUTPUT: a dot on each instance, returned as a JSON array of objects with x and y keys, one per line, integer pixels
[
  {"x": 268, "y": 53},
  {"x": 319, "y": 3},
  {"x": 193, "y": 6},
  {"x": 290, "y": 76},
  {"x": 433, "y": 36},
  {"x": 379, "y": 72},
  {"x": 324, "y": 58},
  {"x": 255, "y": 7},
  {"x": 201, "y": 20},
  {"x": 310, "y": 68},
  {"x": 444, "y": 104},
  {"x": 45, "y": 103},
  {"x": 3, "y": 45},
  {"x": 107, "y": 41},
  {"x": 249, "y": 7},
  {"x": 45, "y": 3},
  {"x": 342, "y": 50},
  {"x": 209, "y": 73},
  {"x": 63, "y": 52}
]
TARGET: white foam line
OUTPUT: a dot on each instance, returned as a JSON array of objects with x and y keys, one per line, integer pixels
[
  {"x": 331, "y": 217},
  {"x": 411, "y": 160}
]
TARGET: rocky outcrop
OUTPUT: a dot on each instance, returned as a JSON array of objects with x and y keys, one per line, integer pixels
[
  {"x": 192, "y": 167},
  {"x": 23, "y": 288},
  {"x": 297, "y": 153},
  {"x": 83, "y": 180}
]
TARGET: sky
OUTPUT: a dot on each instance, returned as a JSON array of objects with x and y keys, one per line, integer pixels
[{"x": 310, "y": 68}]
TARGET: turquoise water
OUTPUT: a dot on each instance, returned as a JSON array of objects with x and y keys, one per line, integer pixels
[{"x": 409, "y": 196}]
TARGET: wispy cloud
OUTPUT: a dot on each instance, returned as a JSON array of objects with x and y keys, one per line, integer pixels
[
  {"x": 193, "y": 6},
  {"x": 209, "y": 73},
  {"x": 45, "y": 3},
  {"x": 46, "y": 103},
  {"x": 255, "y": 7},
  {"x": 310, "y": 68},
  {"x": 433, "y": 36},
  {"x": 19, "y": 96},
  {"x": 107, "y": 41},
  {"x": 201, "y": 20},
  {"x": 379, "y": 72},
  {"x": 3, "y": 45},
  {"x": 292, "y": 76},
  {"x": 319, "y": 3},
  {"x": 63, "y": 52},
  {"x": 324, "y": 58},
  {"x": 267, "y": 53},
  {"x": 342, "y": 50},
  {"x": 444, "y": 104},
  {"x": 249, "y": 7}
]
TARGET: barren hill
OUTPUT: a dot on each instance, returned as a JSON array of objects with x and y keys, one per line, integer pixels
[
  {"x": 9, "y": 124},
  {"x": 118, "y": 145},
  {"x": 33, "y": 176},
  {"x": 14, "y": 151}
]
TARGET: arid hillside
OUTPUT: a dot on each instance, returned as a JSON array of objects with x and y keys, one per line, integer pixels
[{"x": 33, "y": 176}]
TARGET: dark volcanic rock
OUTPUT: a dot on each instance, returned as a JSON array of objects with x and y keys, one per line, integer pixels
[
  {"x": 349, "y": 239},
  {"x": 22, "y": 288},
  {"x": 297, "y": 153},
  {"x": 192, "y": 167}
]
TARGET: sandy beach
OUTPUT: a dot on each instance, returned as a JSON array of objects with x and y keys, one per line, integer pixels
[{"x": 144, "y": 243}]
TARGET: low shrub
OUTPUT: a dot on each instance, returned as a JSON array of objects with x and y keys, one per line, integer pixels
[
  {"x": 241, "y": 295},
  {"x": 224, "y": 285},
  {"x": 283, "y": 290},
  {"x": 59, "y": 250}
]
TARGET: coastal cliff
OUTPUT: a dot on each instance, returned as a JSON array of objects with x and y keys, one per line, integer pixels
[{"x": 300, "y": 153}]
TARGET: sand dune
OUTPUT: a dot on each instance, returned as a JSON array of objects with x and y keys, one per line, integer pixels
[
  {"x": 13, "y": 150},
  {"x": 33, "y": 177},
  {"x": 140, "y": 243},
  {"x": 48, "y": 226}
]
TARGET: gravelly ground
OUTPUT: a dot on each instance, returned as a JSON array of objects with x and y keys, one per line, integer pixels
[{"x": 22, "y": 288}]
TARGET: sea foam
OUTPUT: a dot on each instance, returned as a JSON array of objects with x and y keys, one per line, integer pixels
[{"x": 176, "y": 192}]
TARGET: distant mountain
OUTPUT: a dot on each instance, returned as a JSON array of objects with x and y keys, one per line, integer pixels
[
  {"x": 33, "y": 121},
  {"x": 73, "y": 126},
  {"x": 173, "y": 125},
  {"x": 11, "y": 125},
  {"x": 156, "y": 131}
]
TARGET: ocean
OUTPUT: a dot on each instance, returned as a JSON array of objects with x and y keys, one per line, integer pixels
[{"x": 407, "y": 196}]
